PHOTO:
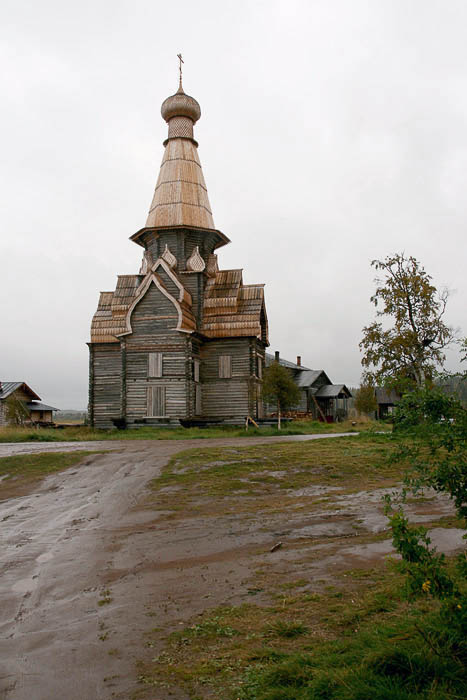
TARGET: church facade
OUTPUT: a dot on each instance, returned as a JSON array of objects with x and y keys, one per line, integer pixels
[{"x": 181, "y": 340}]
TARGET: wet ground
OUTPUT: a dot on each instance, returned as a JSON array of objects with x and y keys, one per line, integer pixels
[{"x": 87, "y": 568}]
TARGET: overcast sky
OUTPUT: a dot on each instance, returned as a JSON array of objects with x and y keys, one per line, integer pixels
[{"x": 333, "y": 132}]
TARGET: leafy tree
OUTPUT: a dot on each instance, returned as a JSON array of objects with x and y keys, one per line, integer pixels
[
  {"x": 433, "y": 441},
  {"x": 279, "y": 388},
  {"x": 365, "y": 399},
  {"x": 16, "y": 410},
  {"x": 413, "y": 347}
]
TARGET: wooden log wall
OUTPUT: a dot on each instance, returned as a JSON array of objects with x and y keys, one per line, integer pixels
[
  {"x": 107, "y": 384},
  {"x": 173, "y": 350},
  {"x": 227, "y": 397}
]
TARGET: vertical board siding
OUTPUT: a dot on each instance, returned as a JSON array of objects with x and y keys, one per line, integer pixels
[
  {"x": 156, "y": 401},
  {"x": 155, "y": 364},
  {"x": 198, "y": 400},
  {"x": 225, "y": 366}
]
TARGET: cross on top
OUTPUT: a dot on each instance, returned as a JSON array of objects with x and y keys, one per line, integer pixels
[{"x": 180, "y": 59}]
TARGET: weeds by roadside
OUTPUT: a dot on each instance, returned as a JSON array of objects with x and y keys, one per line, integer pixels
[
  {"x": 83, "y": 433},
  {"x": 362, "y": 645}
]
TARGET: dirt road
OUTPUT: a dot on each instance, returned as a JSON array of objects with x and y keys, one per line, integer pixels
[
  {"x": 84, "y": 568},
  {"x": 80, "y": 534}
]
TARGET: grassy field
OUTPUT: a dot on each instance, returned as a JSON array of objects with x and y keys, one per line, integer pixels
[
  {"x": 242, "y": 479},
  {"x": 19, "y": 472},
  {"x": 304, "y": 640},
  {"x": 361, "y": 643},
  {"x": 82, "y": 433}
]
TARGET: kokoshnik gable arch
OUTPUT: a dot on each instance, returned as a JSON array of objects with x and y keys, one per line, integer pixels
[{"x": 180, "y": 340}]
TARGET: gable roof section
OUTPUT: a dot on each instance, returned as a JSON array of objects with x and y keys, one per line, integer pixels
[
  {"x": 7, "y": 388},
  {"x": 183, "y": 302},
  {"x": 231, "y": 309},
  {"x": 310, "y": 376},
  {"x": 332, "y": 391},
  {"x": 111, "y": 317}
]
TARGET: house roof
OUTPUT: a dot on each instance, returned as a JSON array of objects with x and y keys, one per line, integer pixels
[
  {"x": 285, "y": 363},
  {"x": 385, "y": 396},
  {"x": 332, "y": 391},
  {"x": 38, "y": 406},
  {"x": 309, "y": 377},
  {"x": 304, "y": 376},
  {"x": 7, "y": 388}
]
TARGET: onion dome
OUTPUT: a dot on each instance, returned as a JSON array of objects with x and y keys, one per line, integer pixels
[
  {"x": 181, "y": 112},
  {"x": 180, "y": 105}
]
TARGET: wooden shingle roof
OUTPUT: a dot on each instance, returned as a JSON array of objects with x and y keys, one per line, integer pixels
[
  {"x": 232, "y": 309},
  {"x": 181, "y": 197},
  {"x": 333, "y": 391}
]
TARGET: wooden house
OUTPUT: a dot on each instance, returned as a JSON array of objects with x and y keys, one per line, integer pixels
[
  {"x": 36, "y": 412},
  {"x": 320, "y": 398},
  {"x": 181, "y": 340},
  {"x": 387, "y": 399}
]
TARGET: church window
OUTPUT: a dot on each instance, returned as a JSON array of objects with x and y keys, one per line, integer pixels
[
  {"x": 225, "y": 366},
  {"x": 196, "y": 364},
  {"x": 156, "y": 401},
  {"x": 155, "y": 364}
]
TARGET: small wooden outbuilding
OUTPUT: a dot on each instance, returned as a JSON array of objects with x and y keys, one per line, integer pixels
[
  {"x": 35, "y": 412},
  {"x": 386, "y": 400}
]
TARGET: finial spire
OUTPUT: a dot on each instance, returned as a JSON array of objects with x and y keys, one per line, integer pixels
[{"x": 180, "y": 61}]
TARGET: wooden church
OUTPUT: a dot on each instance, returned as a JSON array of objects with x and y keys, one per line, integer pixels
[{"x": 181, "y": 340}]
